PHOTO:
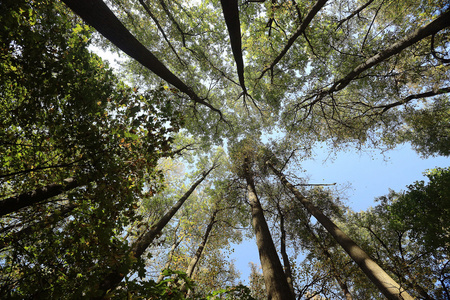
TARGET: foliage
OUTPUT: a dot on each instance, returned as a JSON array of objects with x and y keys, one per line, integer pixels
[
  {"x": 423, "y": 202},
  {"x": 400, "y": 235},
  {"x": 64, "y": 114},
  {"x": 232, "y": 293},
  {"x": 428, "y": 129},
  {"x": 339, "y": 71}
]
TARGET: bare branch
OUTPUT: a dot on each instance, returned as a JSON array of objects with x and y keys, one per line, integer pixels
[{"x": 314, "y": 10}]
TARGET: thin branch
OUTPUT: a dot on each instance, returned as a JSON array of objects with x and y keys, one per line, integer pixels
[
  {"x": 149, "y": 12},
  {"x": 357, "y": 11},
  {"x": 314, "y": 10},
  {"x": 414, "y": 97}
]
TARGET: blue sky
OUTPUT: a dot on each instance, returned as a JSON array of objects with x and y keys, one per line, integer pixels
[{"x": 367, "y": 174}]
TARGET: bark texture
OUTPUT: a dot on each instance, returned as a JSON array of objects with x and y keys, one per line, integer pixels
[
  {"x": 275, "y": 280},
  {"x": 388, "y": 286}
]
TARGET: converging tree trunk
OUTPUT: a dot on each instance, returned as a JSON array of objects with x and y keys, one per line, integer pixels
[
  {"x": 277, "y": 286},
  {"x": 176, "y": 243},
  {"x": 386, "y": 285},
  {"x": 116, "y": 276},
  {"x": 327, "y": 256},
  {"x": 201, "y": 247},
  {"x": 97, "y": 14}
]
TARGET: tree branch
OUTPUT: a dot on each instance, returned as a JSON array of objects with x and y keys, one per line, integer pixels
[
  {"x": 314, "y": 10},
  {"x": 99, "y": 16},
  {"x": 17, "y": 202}
]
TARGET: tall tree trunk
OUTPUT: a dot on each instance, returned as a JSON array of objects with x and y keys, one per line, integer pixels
[
  {"x": 193, "y": 263},
  {"x": 201, "y": 247},
  {"x": 111, "y": 280},
  {"x": 275, "y": 280},
  {"x": 17, "y": 202},
  {"x": 386, "y": 285},
  {"x": 97, "y": 14},
  {"x": 230, "y": 10},
  {"x": 335, "y": 272},
  {"x": 286, "y": 263}
]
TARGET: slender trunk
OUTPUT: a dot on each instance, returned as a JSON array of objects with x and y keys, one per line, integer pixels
[
  {"x": 377, "y": 275},
  {"x": 335, "y": 273},
  {"x": 193, "y": 263},
  {"x": 201, "y": 247},
  {"x": 286, "y": 263},
  {"x": 111, "y": 280},
  {"x": 18, "y": 202},
  {"x": 275, "y": 280}
]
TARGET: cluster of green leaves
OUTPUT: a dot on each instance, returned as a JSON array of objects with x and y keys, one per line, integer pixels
[
  {"x": 421, "y": 203},
  {"x": 64, "y": 114}
]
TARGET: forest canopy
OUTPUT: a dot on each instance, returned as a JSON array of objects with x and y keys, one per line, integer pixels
[{"x": 136, "y": 182}]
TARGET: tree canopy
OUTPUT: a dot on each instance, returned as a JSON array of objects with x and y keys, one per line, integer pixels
[{"x": 133, "y": 182}]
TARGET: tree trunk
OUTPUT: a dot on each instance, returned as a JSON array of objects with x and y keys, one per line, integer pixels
[
  {"x": 335, "y": 272},
  {"x": 231, "y": 14},
  {"x": 275, "y": 280},
  {"x": 377, "y": 275},
  {"x": 97, "y": 14},
  {"x": 111, "y": 280},
  {"x": 201, "y": 247},
  {"x": 286, "y": 263},
  {"x": 193, "y": 263},
  {"x": 17, "y": 202}
]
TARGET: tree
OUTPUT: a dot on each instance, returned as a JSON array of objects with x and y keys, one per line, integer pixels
[
  {"x": 276, "y": 284},
  {"x": 78, "y": 146},
  {"x": 117, "y": 273},
  {"x": 391, "y": 234},
  {"x": 423, "y": 202},
  {"x": 347, "y": 72},
  {"x": 323, "y": 251},
  {"x": 389, "y": 288}
]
